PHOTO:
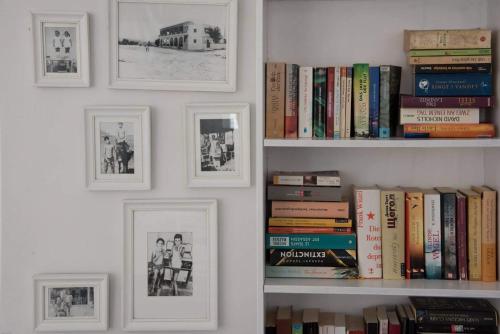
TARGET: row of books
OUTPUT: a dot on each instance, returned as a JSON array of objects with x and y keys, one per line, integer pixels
[{"x": 422, "y": 315}]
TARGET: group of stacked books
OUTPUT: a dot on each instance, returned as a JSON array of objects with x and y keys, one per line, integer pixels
[
  {"x": 452, "y": 84},
  {"x": 423, "y": 315},
  {"x": 331, "y": 102},
  {"x": 440, "y": 233},
  {"x": 309, "y": 232}
]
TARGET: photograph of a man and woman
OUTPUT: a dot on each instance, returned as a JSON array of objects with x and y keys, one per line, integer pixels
[
  {"x": 60, "y": 51},
  {"x": 170, "y": 264},
  {"x": 72, "y": 302},
  {"x": 117, "y": 147},
  {"x": 217, "y": 144}
]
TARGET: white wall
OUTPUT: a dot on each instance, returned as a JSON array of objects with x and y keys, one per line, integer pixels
[{"x": 51, "y": 223}]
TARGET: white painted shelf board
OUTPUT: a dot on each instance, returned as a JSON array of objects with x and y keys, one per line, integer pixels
[
  {"x": 420, "y": 287},
  {"x": 384, "y": 143}
]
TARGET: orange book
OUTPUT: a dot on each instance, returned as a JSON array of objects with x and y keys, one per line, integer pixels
[
  {"x": 484, "y": 130},
  {"x": 488, "y": 233},
  {"x": 414, "y": 228},
  {"x": 309, "y": 230},
  {"x": 310, "y": 209},
  {"x": 275, "y": 100}
]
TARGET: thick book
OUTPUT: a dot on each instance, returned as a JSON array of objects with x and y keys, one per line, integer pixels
[
  {"x": 440, "y": 116},
  {"x": 305, "y": 102},
  {"x": 394, "y": 324},
  {"x": 311, "y": 272},
  {"x": 449, "y": 232},
  {"x": 309, "y": 230},
  {"x": 453, "y": 68},
  {"x": 383, "y": 320},
  {"x": 330, "y": 100},
  {"x": 473, "y": 234},
  {"x": 348, "y": 104},
  {"x": 297, "y": 327},
  {"x": 310, "y": 320},
  {"x": 462, "y": 236},
  {"x": 368, "y": 229},
  {"x": 275, "y": 100},
  {"x": 449, "y": 60},
  {"x": 488, "y": 233},
  {"x": 449, "y": 52},
  {"x": 414, "y": 227},
  {"x": 390, "y": 81},
  {"x": 392, "y": 213},
  {"x": 456, "y": 328},
  {"x": 355, "y": 324},
  {"x": 301, "y": 193},
  {"x": 313, "y": 257},
  {"x": 326, "y": 323},
  {"x": 337, "y": 103},
  {"x": 453, "y": 84},
  {"x": 361, "y": 95},
  {"x": 371, "y": 320},
  {"x": 374, "y": 100},
  {"x": 449, "y": 311},
  {"x": 447, "y": 39},
  {"x": 483, "y": 130},
  {"x": 310, "y": 209},
  {"x": 310, "y": 222},
  {"x": 284, "y": 320},
  {"x": 270, "y": 326},
  {"x": 408, "y": 101},
  {"x": 432, "y": 234},
  {"x": 343, "y": 101},
  {"x": 311, "y": 241},
  {"x": 291, "y": 100},
  {"x": 319, "y": 178},
  {"x": 319, "y": 102}
]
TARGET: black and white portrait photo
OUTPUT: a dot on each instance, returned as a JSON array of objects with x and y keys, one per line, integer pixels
[
  {"x": 170, "y": 264},
  {"x": 217, "y": 144},
  {"x": 75, "y": 302},
  {"x": 60, "y": 49},
  {"x": 117, "y": 147}
]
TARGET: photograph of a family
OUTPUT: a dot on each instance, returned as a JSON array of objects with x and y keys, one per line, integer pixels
[
  {"x": 60, "y": 51},
  {"x": 217, "y": 144},
  {"x": 75, "y": 302},
  {"x": 117, "y": 147}
]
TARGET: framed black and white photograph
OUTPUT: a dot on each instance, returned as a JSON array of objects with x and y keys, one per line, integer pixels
[
  {"x": 71, "y": 302},
  {"x": 61, "y": 49},
  {"x": 218, "y": 144},
  {"x": 118, "y": 147},
  {"x": 173, "y": 44},
  {"x": 170, "y": 265}
]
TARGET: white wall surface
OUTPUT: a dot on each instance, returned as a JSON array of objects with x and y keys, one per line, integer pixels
[{"x": 52, "y": 224}]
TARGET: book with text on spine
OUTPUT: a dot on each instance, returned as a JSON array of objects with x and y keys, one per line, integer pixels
[
  {"x": 473, "y": 234},
  {"x": 310, "y": 222},
  {"x": 454, "y": 84},
  {"x": 447, "y": 39},
  {"x": 311, "y": 241},
  {"x": 361, "y": 100},
  {"x": 392, "y": 202},
  {"x": 482, "y": 130},
  {"x": 291, "y": 100},
  {"x": 414, "y": 227},
  {"x": 305, "y": 102},
  {"x": 408, "y": 101},
  {"x": 440, "y": 116},
  {"x": 311, "y": 272},
  {"x": 319, "y": 102},
  {"x": 390, "y": 81},
  {"x": 449, "y": 231},
  {"x": 275, "y": 100},
  {"x": 432, "y": 234},
  {"x": 374, "y": 100}
]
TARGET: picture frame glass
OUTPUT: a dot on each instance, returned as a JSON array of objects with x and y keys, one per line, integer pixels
[{"x": 61, "y": 49}]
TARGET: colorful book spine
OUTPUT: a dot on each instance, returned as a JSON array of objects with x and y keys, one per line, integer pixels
[
  {"x": 310, "y": 209},
  {"x": 319, "y": 103},
  {"x": 297, "y": 327},
  {"x": 447, "y": 39},
  {"x": 305, "y": 102},
  {"x": 311, "y": 272},
  {"x": 348, "y": 104},
  {"x": 313, "y": 257},
  {"x": 390, "y": 80},
  {"x": 337, "y": 104},
  {"x": 330, "y": 98},
  {"x": 456, "y": 84},
  {"x": 343, "y": 100},
  {"x": 482, "y": 130},
  {"x": 449, "y": 60},
  {"x": 374, "y": 103},
  {"x": 473, "y": 234},
  {"x": 309, "y": 222},
  {"x": 311, "y": 241},
  {"x": 462, "y": 236},
  {"x": 439, "y": 116},
  {"x": 308, "y": 230},
  {"x": 392, "y": 203},
  {"x": 453, "y": 52},
  {"x": 432, "y": 239},
  {"x": 291, "y": 100},
  {"x": 449, "y": 228},
  {"x": 408, "y": 101},
  {"x": 415, "y": 257},
  {"x": 369, "y": 232},
  {"x": 275, "y": 100},
  {"x": 361, "y": 88},
  {"x": 453, "y": 68}
]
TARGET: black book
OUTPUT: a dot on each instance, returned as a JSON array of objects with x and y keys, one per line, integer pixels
[
  {"x": 411, "y": 319},
  {"x": 271, "y": 322},
  {"x": 449, "y": 232},
  {"x": 403, "y": 318},
  {"x": 371, "y": 320},
  {"x": 310, "y": 319},
  {"x": 454, "y": 328}
]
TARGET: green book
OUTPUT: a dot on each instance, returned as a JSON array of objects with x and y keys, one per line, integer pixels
[
  {"x": 361, "y": 89},
  {"x": 455, "y": 52},
  {"x": 319, "y": 102}
]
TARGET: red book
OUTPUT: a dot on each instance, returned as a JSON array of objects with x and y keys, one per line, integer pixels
[
  {"x": 291, "y": 100},
  {"x": 462, "y": 236},
  {"x": 394, "y": 324},
  {"x": 330, "y": 86}
]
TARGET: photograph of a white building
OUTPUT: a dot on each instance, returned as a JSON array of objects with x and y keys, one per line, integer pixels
[{"x": 191, "y": 36}]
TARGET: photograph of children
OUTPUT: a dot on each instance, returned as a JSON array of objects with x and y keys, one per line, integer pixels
[
  {"x": 217, "y": 149},
  {"x": 117, "y": 147},
  {"x": 60, "y": 51},
  {"x": 170, "y": 264},
  {"x": 74, "y": 302}
]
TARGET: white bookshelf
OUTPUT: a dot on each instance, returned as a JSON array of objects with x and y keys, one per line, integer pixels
[{"x": 340, "y": 32}]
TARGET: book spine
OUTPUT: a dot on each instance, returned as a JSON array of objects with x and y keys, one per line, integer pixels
[
  {"x": 291, "y": 100},
  {"x": 305, "y": 102},
  {"x": 449, "y": 60},
  {"x": 330, "y": 98},
  {"x": 447, "y": 39},
  {"x": 450, "y": 317},
  {"x": 368, "y": 231},
  {"x": 298, "y": 193},
  {"x": 374, "y": 104},
  {"x": 384, "y": 116},
  {"x": 462, "y": 237},
  {"x": 446, "y": 102},
  {"x": 309, "y": 222},
  {"x": 393, "y": 234},
  {"x": 474, "y": 237},
  {"x": 309, "y": 180},
  {"x": 343, "y": 100},
  {"x": 449, "y": 130},
  {"x": 394, "y": 98},
  {"x": 432, "y": 244},
  {"x": 453, "y": 68},
  {"x": 489, "y": 232},
  {"x": 313, "y": 257},
  {"x": 348, "y": 114},
  {"x": 361, "y": 95},
  {"x": 311, "y": 272},
  {"x": 456, "y": 328},
  {"x": 308, "y": 230},
  {"x": 449, "y": 241},
  {"x": 275, "y": 100},
  {"x": 439, "y": 116},
  {"x": 453, "y": 52},
  {"x": 297, "y": 328},
  {"x": 474, "y": 84},
  {"x": 310, "y": 209},
  {"x": 311, "y": 241},
  {"x": 337, "y": 104},
  {"x": 415, "y": 259},
  {"x": 319, "y": 104}
]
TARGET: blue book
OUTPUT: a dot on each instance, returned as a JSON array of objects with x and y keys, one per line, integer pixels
[
  {"x": 311, "y": 241},
  {"x": 374, "y": 80},
  {"x": 453, "y": 84}
]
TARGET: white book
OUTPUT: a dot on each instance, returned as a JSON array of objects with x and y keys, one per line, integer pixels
[
  {"x": 343, "y": 97},
  {"x": 305, "y": 102},
  {"x": 432, "y": 234},
  {"x": 368, "y": 231},
  {"x": 340, "y": 323},
  {"x": 440, "y": 116},
  {"x": 383, "y": 320},
  {"x": 336, "y": 104},
  {"x": 348, "y": 103}
]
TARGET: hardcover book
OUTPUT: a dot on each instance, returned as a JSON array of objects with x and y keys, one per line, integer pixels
[
  {"x": 414, "y": 227},
  {"x": 374, "y": 102},
  {"x": 408, "y": 101},
  {"x": 432, "y": 235},
  {"x": 343, "y": 101},
  {"x": 312, "y": 272},
  {"x": 311, "y": 241},
  {"x": 284, "y": 320},
  {"x": 275, "y": 100},
  {"x": 390, "y": 80},
  {"x": 305, "y": 102},
  {"x": 454, "y": 84},
  {"x": 482, "y": 130},
  {"x": 392, "y": 203},
  {"x": 361, "y": 88},
  {"x": 449, "y": 60},
  {"x": 313, "y": 257},
  {"x": 462, "y": 236},
  {"x": 310, "y": 209},
  {"x": 319, "y": 102},
  {"x": 453, "y": 68},
  {"x": 440, "y": 116},
  {"x": 473, "y": 234},
  {"x": 348, "y": 106},
  {"x": 320, "y": 178},
  {"x": 310, "y": 222},
  {"x": 291, "y": 100},
  {"x": 449, "y": 232},
  {"x": 301, "y": 193},
  {"x": 447, "y": 39},
  {"x": 330, "y": 99},
  {"x": 337, "y": 104}
]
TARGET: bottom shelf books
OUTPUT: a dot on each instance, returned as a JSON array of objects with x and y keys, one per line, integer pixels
[{"x": 422, "y": 315}]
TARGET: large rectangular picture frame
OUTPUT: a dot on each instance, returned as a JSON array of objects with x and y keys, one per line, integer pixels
[
  {"x": 134, "y": 207},
  {"x": 228, "y": 85}
]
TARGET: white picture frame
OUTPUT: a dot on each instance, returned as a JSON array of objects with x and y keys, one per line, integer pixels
[
  {"x": 162, "y": 309},
  {"x": 61, "y": 61},
  {"x": 129, "y": 164},
  {"x": 86, "y": 309},
  {"x": 218, "y": 131},
  {"x": 219, "y": 66}
]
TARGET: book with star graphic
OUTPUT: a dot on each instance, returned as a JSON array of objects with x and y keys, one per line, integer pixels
[{"x": 368, "y": 231}]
